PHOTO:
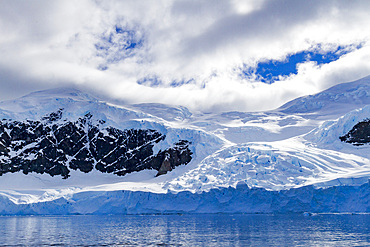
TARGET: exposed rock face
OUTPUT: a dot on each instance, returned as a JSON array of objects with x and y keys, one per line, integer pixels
[
  {"x": 54, "y": 146},
  {"x": 359, "y": 134},
  {"x": 168, "y": 159}
]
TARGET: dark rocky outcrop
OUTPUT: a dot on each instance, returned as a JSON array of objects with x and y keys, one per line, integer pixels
[
  {"x": 54, "y": 146},
  {"x": 166, "y": 160},
  {"x": 359, "y": 134}
]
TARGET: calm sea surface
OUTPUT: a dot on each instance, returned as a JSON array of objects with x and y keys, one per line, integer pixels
[{"x": 186, "y": 230}]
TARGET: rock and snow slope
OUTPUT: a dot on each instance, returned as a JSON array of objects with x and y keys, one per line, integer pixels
[{"x": 236, "y": 157}]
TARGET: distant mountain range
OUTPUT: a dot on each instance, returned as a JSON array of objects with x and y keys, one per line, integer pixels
[{"x": 62, "y": 144}]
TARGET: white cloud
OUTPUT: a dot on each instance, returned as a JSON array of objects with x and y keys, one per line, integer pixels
[{"x": 46, "y": 44}]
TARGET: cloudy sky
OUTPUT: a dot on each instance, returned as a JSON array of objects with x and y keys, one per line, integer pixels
[{"x": 206, "y": 55}]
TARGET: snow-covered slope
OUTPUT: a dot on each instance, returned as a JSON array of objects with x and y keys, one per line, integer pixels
[
  {"x": 295, "y": 146},
  {"x": 336, "y": 100},
  {"x": 326, "y": 136}
]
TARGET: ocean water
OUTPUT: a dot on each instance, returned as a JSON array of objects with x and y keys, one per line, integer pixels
[{"x": 186, "y": 230}]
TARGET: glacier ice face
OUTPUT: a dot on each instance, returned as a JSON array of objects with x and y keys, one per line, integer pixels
[{"x": 241, "y": 199}]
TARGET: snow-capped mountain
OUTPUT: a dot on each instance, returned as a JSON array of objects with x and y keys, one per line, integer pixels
[
  {"x": 68, "y": 148},
  {"x": 58, "y": 132}
]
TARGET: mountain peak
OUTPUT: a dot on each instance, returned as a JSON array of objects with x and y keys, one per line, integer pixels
[
  {"x": 62, "y": 92},
  {"x": 41, "y": 102},
  {"x": 336, "y": 100}
]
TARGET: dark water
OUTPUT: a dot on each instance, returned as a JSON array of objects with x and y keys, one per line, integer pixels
[{"x": 186, "y": 230}]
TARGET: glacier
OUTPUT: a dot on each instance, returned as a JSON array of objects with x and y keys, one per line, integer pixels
[
  {"x": 240, "y": 199},
  {"x": 285, "y": 160}
]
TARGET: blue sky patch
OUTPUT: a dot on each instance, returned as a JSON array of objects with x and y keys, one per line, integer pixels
[
  {"x": 269, "y": 71},
  {"x": 150, "y": 81},
  {"x": 117, "y": 45},
  {"x": 178, "y": 83},
  {"x": 154, "y": 81}
]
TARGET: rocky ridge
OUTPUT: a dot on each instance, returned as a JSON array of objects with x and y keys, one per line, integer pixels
[
  {"x": 359, "y": 134},
  {"x": 54, "y": 145}
]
